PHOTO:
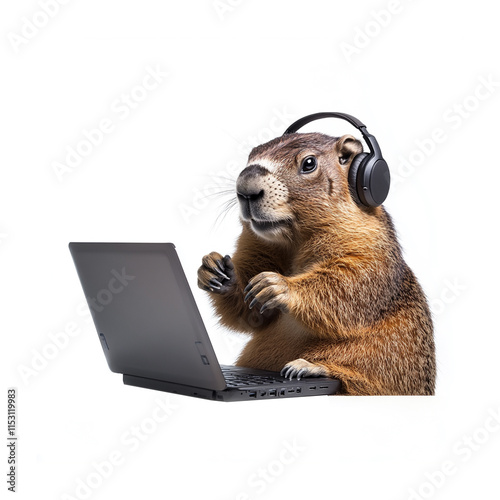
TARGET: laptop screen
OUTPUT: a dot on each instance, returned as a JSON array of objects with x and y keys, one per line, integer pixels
[{"x": 145, "y": 314}]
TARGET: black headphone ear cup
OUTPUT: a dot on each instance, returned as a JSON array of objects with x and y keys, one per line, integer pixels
[
  {"x": 352, "y": 176},
  {"x": 369, "y": 178}
]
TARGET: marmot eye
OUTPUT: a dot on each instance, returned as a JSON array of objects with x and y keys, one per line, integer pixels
[{"x": 308, "y": 165}]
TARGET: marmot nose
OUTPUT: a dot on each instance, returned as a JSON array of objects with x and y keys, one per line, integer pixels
[
  {"x": 247, "y": 187},
  {"x": 250, "y": 196}
]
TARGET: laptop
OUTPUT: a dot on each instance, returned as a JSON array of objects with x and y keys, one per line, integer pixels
[{"x": 151, "y": 330}]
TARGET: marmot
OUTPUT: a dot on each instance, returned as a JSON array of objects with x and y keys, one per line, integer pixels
[{"x": 318, "y": 280}]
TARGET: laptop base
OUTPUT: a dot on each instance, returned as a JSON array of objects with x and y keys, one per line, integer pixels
[{"x": 313, "y": 387}]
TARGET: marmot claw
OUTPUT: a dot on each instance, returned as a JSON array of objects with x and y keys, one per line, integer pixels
[
  {"x": 216, "y": 274},
  {"x": 269, "y": 289},
  {"x": 301, "y": 368}
]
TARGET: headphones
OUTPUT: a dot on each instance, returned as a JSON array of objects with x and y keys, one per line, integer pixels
[{"x": 369, "y": 178}]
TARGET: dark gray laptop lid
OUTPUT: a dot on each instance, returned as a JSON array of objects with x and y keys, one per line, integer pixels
[{"x": 145, "y": 314}]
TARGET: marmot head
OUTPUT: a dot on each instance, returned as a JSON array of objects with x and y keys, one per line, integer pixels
[{"x": 295, "y": 183}]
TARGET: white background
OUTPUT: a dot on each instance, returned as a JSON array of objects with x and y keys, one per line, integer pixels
[{"x": 235, "y": 75}]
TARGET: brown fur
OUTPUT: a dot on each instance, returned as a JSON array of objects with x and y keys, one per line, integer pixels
[{"x": 341, "y": 296}]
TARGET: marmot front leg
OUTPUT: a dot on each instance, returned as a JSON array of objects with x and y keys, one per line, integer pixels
[{"x": 352, "y": 381}]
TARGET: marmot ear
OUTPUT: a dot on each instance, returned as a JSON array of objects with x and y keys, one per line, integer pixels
[{"x": 347, "y": 147}]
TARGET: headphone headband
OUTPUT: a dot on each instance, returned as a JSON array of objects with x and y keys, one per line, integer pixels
[
  {"x": 317, "y": 116},
  {"x": 369, "y": 177}
]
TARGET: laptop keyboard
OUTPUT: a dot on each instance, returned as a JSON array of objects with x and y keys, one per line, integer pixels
[{"x": 237, "y": 379}]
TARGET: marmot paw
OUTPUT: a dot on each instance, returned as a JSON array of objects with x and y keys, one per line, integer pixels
[
  {"x": 301, "y": 368},
  {"x": 216, "y": 274},
  {"x": 270, "y": 290}
]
